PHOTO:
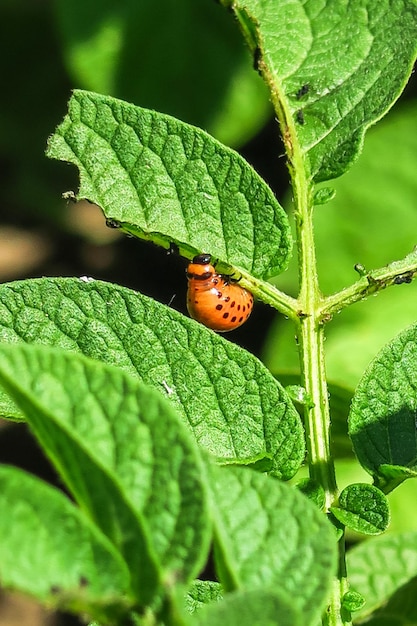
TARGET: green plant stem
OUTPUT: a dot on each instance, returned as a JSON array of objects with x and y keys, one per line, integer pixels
[
  {"x": 337, "y": 614},
  {"x": 310, "y": 333},
  {"x": 396, "y": 273},
  {"x": 340, "y": 587},
  {"x": 317, "y": 416},
  {"x": 269, "y": 294},
  {"x": 311, "y": 345},
  {"x": 307, "y": 312}
]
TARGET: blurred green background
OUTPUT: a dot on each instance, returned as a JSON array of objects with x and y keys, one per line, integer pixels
[{"x": 187, "y": 58}]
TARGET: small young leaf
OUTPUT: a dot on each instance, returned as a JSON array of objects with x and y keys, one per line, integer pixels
[
  {"x": 202, "y": 592},
  {"x": 382, "y": 421},
  {"x": 51, "y": 551},
  {"x": 363, "y": 508},
  {"x": 122, "y": 452},
  {"x": 313, "y": 491},
  {"x": 166, "y": 181},
  {"x": 234, "y": 407},
  {"x": 366, "y": 54},
  {"x": 323, "y": 195},
  {"x": 299, "y": 395},
  {"x": 353, "y": 601},
  {"x": 257, "y": 607},
  {"x": 381, "y": 566},
  {"x": 270, "y": 536}
]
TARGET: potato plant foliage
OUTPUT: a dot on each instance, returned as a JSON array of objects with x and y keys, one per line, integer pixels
[{"x": 206, "y": 486}]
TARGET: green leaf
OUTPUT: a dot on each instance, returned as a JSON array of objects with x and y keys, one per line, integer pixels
[
  {"x": 299, "y": 395},
  {"x": 324, "y": 195},
  {"x": 363, "y": 508},
  {"x": 234, "y": 407},
  {"x": 122, "y": 452},
  {"x": 202, "y": 592},
  {"x": 52, "y": 552},
  {"x": 268, "y": 535},
  {"x": 256, "y": 607},
  {"x": 382, "y": 421},
  {"x": 166, "y": 181},
  {"x": 353, "y": 601},
  {"x": 313, "y": 491},
  {"x": 337, "y": 67},
  {"x": 400, "y": 610},
  {"x": 191, "y": 64},
  {"x": 380, "y": 567},
  {"x": 395, "y": 473}
]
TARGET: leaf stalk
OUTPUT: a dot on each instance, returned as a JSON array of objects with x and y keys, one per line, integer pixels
[{"x": 398, "y": 272}]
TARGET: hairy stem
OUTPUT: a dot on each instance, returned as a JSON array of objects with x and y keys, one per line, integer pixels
[
  {"x": 311, "y": 346},
  {"x": 309, "y": 321},
  {"x": 310, "y": 333},
  {"x": 398, "y": 272},
  {"x": 269, "y": 294}
]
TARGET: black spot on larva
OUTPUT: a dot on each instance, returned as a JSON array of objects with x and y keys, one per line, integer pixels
[
  {"x": 238, "y": 307},
  {"x": 233, "y": 320},
  {"x": 240, "y": 319},
  {"x": 219, "y": 294},
  {"x": 219, "y": 307},
  {"x": 227, "y": 298},
  {"x": 225, "y": 315},
  {"x": 232, "y": 304}
]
